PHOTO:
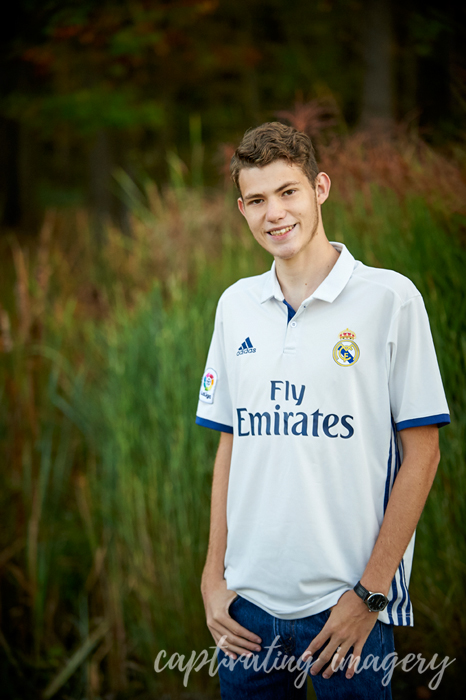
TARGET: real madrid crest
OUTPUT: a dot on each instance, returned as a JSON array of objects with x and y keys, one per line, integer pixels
[{"x": 346, "y": 352}]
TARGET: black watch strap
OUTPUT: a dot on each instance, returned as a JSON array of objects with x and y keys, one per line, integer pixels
[{"x": 361, "y": 591}]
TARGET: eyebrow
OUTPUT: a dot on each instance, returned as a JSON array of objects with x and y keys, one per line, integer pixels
[{"x": 279, "y": 189}]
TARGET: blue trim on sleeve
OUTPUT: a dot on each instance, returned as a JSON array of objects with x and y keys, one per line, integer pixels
[
  {"x": 215, "y": 426},
  {"x": 441, "y": 419}
]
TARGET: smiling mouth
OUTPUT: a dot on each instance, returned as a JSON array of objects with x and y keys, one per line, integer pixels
[{"x": 281, "y": 231}]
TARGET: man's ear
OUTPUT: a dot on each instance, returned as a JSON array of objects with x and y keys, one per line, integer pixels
[
  {"x": 323, "y": 185},
  {"x": 241, "y": 205}
]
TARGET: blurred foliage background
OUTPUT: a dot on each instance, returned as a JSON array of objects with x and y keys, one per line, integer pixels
[
  {"x": 87, "y": 86},
  {"x": 118, "y": 233}
]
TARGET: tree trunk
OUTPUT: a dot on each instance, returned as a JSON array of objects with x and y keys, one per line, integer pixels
[
  {"x": 101, "y": 165},
  {"x": 377, "y": 104},
  {"x": 18, "y": 176},
  {"x": 9, "y": 175}
]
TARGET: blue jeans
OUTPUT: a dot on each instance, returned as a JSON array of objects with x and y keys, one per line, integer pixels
[{"x": 272, "y": 678}]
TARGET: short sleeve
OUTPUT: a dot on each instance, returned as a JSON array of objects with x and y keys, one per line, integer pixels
[
  {"x": 417, "y": 396},
  {"x": 214, "y": 407}
]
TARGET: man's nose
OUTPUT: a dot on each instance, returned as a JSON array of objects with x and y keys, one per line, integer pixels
[{"x": 275, "y": 210}]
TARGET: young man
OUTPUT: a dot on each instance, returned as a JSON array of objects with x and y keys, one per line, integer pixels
[{"x": 323, "y": 381}]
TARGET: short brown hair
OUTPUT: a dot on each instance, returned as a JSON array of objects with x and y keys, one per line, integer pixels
[{"x": 274, "y": 141}]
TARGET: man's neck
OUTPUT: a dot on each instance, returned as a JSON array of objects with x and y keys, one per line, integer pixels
[{"x": 300, "y": 276}]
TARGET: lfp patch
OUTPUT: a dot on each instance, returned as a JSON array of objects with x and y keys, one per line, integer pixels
[{"x": 208, "y": 386}]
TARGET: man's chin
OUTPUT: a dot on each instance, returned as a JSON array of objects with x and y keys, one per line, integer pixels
[{"x": 284, "y": 254}]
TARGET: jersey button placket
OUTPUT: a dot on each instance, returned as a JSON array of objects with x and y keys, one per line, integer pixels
[{"x": 291, "y": 337}]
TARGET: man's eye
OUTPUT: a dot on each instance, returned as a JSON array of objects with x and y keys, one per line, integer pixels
[
  {"x": 289, "y": 191},
  {"x": 255, "y": 201}
]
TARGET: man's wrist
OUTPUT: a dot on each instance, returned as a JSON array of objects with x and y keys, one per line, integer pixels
[
  {"x": 376, "y": 583},
  {"x": 375, "y": 600},
  {"x": 212, "y": 576}
]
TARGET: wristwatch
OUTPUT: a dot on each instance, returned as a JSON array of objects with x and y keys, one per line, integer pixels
[{"x": 376, "y": 602}]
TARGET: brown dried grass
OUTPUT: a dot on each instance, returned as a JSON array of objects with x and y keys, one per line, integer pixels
[{"x": 402, "y": 163}]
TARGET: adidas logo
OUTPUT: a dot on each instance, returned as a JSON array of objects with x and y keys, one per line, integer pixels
[{"x": 246, "y": 347}]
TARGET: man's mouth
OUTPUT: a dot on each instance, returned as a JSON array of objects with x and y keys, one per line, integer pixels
[{"x": 281, "y": 231}]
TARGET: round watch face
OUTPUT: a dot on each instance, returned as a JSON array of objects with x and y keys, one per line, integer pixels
[{"x": 377, "y": 602}]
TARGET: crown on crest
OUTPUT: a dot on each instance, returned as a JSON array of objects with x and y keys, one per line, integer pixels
[{"x": 347, "y": 335}]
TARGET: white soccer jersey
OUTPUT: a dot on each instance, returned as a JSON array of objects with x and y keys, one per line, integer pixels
[{"x": 315, "y": 402}]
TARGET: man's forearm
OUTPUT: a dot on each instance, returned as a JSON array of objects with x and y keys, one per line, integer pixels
[
  {"x": 404, "y": 508},
  {"x": 350, "y": 621},
  {"x": 214, "y": 566}
]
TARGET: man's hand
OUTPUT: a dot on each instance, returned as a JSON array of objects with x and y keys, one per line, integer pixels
[
  {"x": 237, "y": 639},
  {"x": 349, "y": 625}
]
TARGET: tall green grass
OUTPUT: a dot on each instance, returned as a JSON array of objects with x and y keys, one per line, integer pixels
[{"x": 106, "y": 487}]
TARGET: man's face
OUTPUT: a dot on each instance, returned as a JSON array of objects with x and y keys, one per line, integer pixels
[{"x": 281, "y": 206}]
